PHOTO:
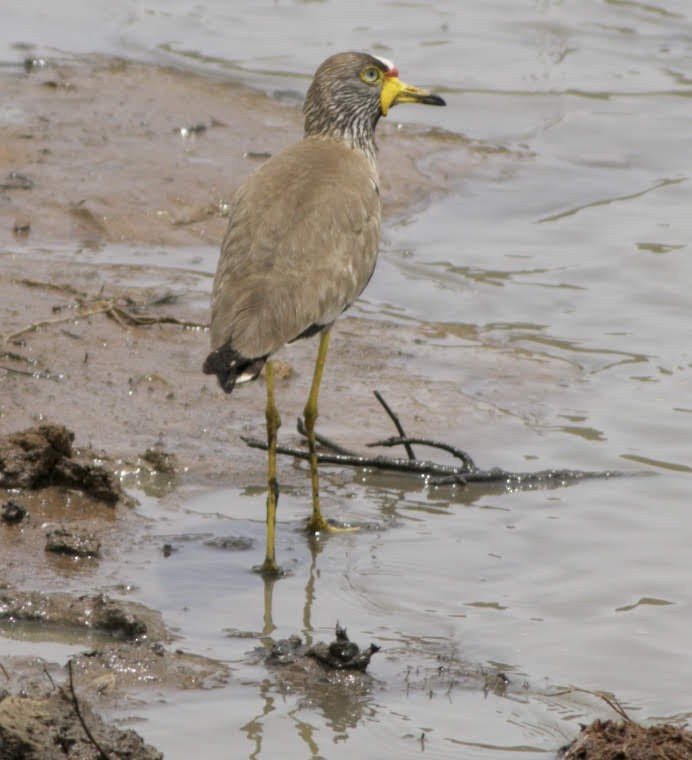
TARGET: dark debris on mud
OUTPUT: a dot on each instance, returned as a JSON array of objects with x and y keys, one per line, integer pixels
[
  {"x": 73, "y": 543},
  {"x": 12, "y": 512},
  {"x": 43, "y": 456},
  {"x": 340, "y": 654},
  {"x": 322, "y": 670}
]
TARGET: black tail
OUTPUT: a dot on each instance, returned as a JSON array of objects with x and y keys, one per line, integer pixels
[{"x": 230, "y": 367}]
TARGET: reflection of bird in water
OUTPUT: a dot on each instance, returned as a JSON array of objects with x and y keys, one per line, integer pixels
[
  {"x": 302, "y": 241},
  {"x": 330, "y": 677}
]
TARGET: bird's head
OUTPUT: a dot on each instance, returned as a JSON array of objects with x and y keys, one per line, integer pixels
[{"x": 351, "y": 91}]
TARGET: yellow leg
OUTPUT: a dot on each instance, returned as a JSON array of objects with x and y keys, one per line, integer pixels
[
  {"x": 316, "y": 522},
  {"x": 269, "y": 566}
]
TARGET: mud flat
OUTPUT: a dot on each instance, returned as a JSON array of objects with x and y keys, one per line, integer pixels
[
  {"x": 100, "y": 363},
  {"x": 114, "y": 183}
]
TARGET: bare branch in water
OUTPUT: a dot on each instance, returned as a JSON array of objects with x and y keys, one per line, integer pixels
[
  {"x": 397, "y": 424},
  {"x": 434, "y": 473}
]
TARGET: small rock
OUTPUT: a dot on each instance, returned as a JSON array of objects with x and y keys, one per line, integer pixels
[
  {"x": 230, "y": 543},
  {"x": 31, "y": 64},
  {"x": 16, "y": 181},
  {"x": 161, "y": 461},
  {"x": 12, "y": 512},
  {"x": 194, "y": 129},
  {"x": 287, "y": 651},
  {"x": 63, "y": 541},
  {"x": 21, "y": 226},
  {"x": 43, "y": 456}
]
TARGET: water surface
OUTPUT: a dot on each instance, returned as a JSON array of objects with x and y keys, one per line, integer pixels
[{"x": 567, "y": 241}]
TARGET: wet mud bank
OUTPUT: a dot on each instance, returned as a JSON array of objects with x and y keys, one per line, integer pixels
[
  {"x": 114, "y": 183},
  {"x": 100, "y": 372},
  {"x": 49, "y": 710}
]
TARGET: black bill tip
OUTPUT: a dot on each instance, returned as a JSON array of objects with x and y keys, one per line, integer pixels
[{"x": 433, "y": 100}]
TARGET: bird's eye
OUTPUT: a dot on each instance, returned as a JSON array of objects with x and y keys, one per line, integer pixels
[{"x": 370, "y": 75}]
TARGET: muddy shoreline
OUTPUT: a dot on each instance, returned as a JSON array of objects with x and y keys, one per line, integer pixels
[
  {"x": 97, "y": 157},
  {"x": 114, "y": 180}
]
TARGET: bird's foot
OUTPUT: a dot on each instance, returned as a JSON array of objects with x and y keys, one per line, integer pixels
[
  {"x": 269, "y": 569},
  {"x": 317, "y": 524}
]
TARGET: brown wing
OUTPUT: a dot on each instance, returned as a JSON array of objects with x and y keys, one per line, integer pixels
[{"x": 300, "y": 246}]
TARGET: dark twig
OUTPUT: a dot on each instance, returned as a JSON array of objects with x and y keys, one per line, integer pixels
[
  {"x": 449, "y": 474},
  {"x": 112, "y": 307},
  {"x": 49, "y": 677},
  {"x": 403, "y": 439},
  {"x": 433, "y": 472},
  {"x": 104, "y": 755},
  {"x": 417, "y": 466},
  {"x": 453, "y": 450},
  {"x": 324, "y": 441},
  {"x": 609, "y": 699},
  {"x": 41, "y": 373}
]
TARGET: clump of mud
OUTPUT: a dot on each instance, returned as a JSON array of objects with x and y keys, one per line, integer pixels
[
  {"x": 74, "y": 544},
  {"x": 43, "y": 456},
  {"x": 47, "y": 711},
  {"x": 627, "y": 740},
  {"x": 44, "y": 715},
  {"x": 11, "y": 512},
  {"x": 340, "y": 654},
  {"x": 93, "y": 612},
  {"x": 52, "y": 725},
  {"x": 324, "y": 672}
]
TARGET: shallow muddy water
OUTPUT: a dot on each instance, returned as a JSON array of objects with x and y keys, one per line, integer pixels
[{"x": 546, "y": 287}]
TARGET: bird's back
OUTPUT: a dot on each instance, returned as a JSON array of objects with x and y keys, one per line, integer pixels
[{"x": 300, "y": 246}]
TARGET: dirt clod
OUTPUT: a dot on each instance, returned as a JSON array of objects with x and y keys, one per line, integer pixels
[
  {"x": 230, "y": 543},
  {"x": 125, "y": 620},
  {"x": 627, "y": 740},
  {"x": 73, "y": 543},
  {"x": 340, "y": 654},
  {"x": 43, "y": 456},
  {"x": 161, "y": 461},
  {"x": 120, "y": 668},
  {"x": 21, "y": 226},
  {"x": 12, "y": 512},
  {"x": 46, "y": 727}
]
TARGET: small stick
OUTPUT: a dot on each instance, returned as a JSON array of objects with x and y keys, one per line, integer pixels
[
  {"x": 455, "y": 474},
  {"x": 49, "y": 677},
  {"x": 14, "y": 371},
  {"x": 418, "y": 466},
  {"x": 609, "y": 699},
  {"x": 75, "y": 702},
  {"x": 397, "y": 424},
  {"x": 45, "y": 322},
  {"x": 453, "y": 450},
  {"x": 119, "y": 316},
  {"x": 110, "y": 308},
  {"x": 324, "y": 441}
]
